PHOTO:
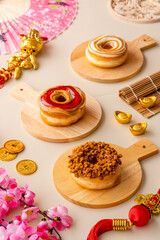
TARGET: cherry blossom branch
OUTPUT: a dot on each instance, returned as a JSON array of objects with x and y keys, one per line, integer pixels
[
  {"x": 3, "y": 188},
  {"x": 2, "y": 225},
  {"x": 41, "y": 212},
  {"x": 12, "y": 196},
  {"x": 45, "y": 215},
  {"x": 53, "y": 228}
]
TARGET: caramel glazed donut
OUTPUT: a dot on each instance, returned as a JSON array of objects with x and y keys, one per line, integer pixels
[
  {"x": 107, "y": 51},
  {"x": 62, "y": 105},
  {"x": 95, "y": 165}
]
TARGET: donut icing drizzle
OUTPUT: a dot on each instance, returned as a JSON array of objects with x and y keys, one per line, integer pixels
[{"x": 107, "y": 46}]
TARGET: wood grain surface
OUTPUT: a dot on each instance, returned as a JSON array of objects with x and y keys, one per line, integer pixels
[
  {"x": 131, "y": 175},
  {"x": 130, "y": 68},
  {"x": 33, "y": 123}
]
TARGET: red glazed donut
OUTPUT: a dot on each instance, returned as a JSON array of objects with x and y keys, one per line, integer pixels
[{"x": 62, "y": 105}]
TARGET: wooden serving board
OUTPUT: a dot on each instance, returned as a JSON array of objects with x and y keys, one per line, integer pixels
[
  {"x": 129, "y": 19},
  {"x": 131, "y": 175},
  {"x": 130, "y": 68},
  {"x": 33, "y": 123}
]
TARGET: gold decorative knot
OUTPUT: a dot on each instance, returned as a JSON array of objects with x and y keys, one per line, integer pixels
[
  {"x": 151, "y": 201},
  {"x": 121, "y": 224}
]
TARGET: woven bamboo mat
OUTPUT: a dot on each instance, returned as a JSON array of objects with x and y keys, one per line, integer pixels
[{"x": 148, "y": 86}]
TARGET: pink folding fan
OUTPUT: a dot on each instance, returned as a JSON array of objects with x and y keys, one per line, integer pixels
[{"x": 49, "y": 17}]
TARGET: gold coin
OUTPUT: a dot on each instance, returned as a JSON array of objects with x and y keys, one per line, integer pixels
[
  {"x": 6, "y": 156},
  {"x": 26, "y": 167},
  {"x": 14, "y": 146}
]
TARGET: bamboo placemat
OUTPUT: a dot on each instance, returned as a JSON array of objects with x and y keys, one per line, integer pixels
[{"x": 148, "y": 86}]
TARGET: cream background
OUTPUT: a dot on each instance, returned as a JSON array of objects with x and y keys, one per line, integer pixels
[{"x": 93, "y": 19}]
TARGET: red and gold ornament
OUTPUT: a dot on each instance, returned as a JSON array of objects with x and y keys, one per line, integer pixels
[
  {"x": 31, "y": 44},
  {"x": 139, "y": 216},
  {"x": 5, "y": 74}
]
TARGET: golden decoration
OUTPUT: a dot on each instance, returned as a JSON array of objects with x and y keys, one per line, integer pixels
[
  {"x": 151, "y": 201},
  {"x": 31, "y": 44},
  {"x": 122, "y": 117},
  {"x": 26, "y": 167},
  {"x": 6, "y": 156},
  {"x": 14, "y": 146},
  {"x": 138, "y": 128},
  {"x": 148, "y": 102},
  {"x": 121, "y": 224}
]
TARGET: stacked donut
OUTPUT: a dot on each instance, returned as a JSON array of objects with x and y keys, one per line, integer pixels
[
  {"x": 107, "y": 51},
  {"x": 62, "y": 105}
]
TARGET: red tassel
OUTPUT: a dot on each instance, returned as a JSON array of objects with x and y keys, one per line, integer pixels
[{"x": 99, "y": 228}]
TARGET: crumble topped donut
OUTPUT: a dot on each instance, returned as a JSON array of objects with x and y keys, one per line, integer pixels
[
  {"x": 95, "y": 165},
  {"x": 107, "y": 51},
  {"x": 62, "y": 105}
]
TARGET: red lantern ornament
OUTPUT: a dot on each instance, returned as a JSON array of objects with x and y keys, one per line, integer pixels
[{"x": 139, "y": 215}]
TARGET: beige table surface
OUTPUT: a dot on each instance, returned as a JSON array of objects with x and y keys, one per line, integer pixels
[{"x": 93, "y": 19}]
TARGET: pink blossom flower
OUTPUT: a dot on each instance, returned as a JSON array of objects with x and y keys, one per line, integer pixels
[
  {"x": 3, "y": 234},
  {"x": 10, "y": 183},
  {"x": 62, "y": 213},
  {"x": 11, "y": 196},
  {"x": 44, "y": 235},
  {"x": 19, "y": 232},
  {"x": 67, "y": 221},
  {"x": 27, "y": 195},
  {"x": 3, "y": 208},
  {"x": 30, "y": 213},
  {"x": 5, "y": 181},
  {"x": 17, "y": 220},
  {"x": 3, "y": 174},
  {"x": 51, "y": 223},
  {"x": 43, "y": 225},
  {"x": 34, "y": 237}
]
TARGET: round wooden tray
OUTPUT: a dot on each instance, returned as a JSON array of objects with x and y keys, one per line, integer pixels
[
  {"x": 30, "y": 115},
  {"x": 128, "y": 19},
  {"x": 130, "y": 68},
  {"x": 131, "y": 175}
]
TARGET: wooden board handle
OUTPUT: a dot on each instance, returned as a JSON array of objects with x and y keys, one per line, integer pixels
[
  {"x": 142, "y": 149},
  {"x": 144, "y": 42},
  {"x": 24, "y": 93}
]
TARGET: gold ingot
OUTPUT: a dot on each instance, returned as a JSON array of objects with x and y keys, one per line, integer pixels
[
  {"x": 14, "y": 146},
  {"x": 26, "y": 167},
  {"x": 138, "y": 128},
  {"x": 122, "y": 117},
  {"x": 148, "y": 102},
  {"x": 6, "y": 156}
]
